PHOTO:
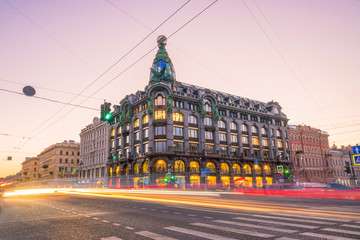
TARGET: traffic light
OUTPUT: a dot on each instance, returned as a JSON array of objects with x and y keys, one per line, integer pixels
[
  {"x": 166, "y": 180},
  {"x": 347, "y": 167},
  {"x": 287, "y": 173},
  {"x": 106, "y": 112}
]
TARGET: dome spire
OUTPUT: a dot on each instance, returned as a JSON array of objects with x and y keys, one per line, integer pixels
[{"x": 162, "y": 68}]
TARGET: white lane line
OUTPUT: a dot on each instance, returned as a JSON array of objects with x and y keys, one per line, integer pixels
[
  {"x": 87, "y": 216},
  {"x": 328, "y": 215},
  {"x": 191, "y": 215},
  {"x": 74, "y": 212},
  {"x": 277, "y": 223},
  {"x": 177, "y": 213},
  {"x": 309, "y": 217},
  {"x": 350, "y": 226},
  {"x": 208, "y": 217},
  {"x": 116, "y": 224},
  {"x": 276, "y": 229},
  {"x": 233, "y": 230},
  {"x": 105, "y": 221},
  {"x": 154, "y": 235},
  {"x": 340, "y": 231},
  {"x": 96, "y": 218},
  {"x": 111, "y": 238},
  {"x": 143, "y": 208},
  {"x": 285, "y": 238},
  {"x": 154, "y": 210},
  {"x": 165, "y": 211},
  {"x": 324, "y": 236},
  {"x": 130, "y": 228},
  {"x": 197, "y": 233},
  {"x": 295, "y": 220}
]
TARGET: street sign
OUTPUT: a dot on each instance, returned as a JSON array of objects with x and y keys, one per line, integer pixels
[
  {"x": 280, "y": 176},
  {"x": 202, "y": 169},
  {"x": 356, "y": 150},
  {"x": 281, "y": 180},
  {"x": 168, "y": 175},
  {"x": 280, "y": 169},
  {"x": 207, "y": 171},
  {"x": 256, "y": 161},
  {"x": 141, "y": 179},
  {"x": 356, "y": 159},
  {"x": 202, "y": 174}
]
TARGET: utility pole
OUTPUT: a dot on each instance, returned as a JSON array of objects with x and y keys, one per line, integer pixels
[{"x": 353, "y": 177}]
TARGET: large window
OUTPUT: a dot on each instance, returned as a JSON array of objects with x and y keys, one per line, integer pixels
[
  {"x": 192, "y": 119},
  {"x": 222, "y": 137},
  {"x": 244, "y": 128},
  {"x": 193, "y": 133},
  {"x": 254, "y": 130},
  {"x": 255, "y": 141},
  {"x": 136, "y": 123},
  {"x": 208, "y": 121},
  {"x": 160, "y": 130},
  {"x": 145, "y": 119},
  {"x": 234, "y": 138},
  {"x": 209, "y": 135},
  {"x": 209, "y": 148},
  {"x": 146, "y": 133},
  {"x": 245, "y": 140},
  {"x": 208, "y": 107},
  {"x": 178, "y": 131},
  {"x": 178, "y": 117},
  {"x": 178, "y": 146},
  {"x": 160, "y": 146},
  {"x": 194, "y": 147},
  {"x": 159, "y": 106},
  {"x": 222, "y": 124},
  {"x": 263, "y": 131},
  {"x": 233, "y": 126},
  {"x": 265, "y": 142}
]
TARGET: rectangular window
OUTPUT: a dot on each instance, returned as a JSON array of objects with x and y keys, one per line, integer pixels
[
  {"x": 146, "y": 147},
  {"x": 223, "y": 150},
  {"x": 178, "y": 131},
  {"x": 178, "y": 146},
  {"x": 209, "y": 135},
  {"x": 208, "y": 121},
  {"x": 119, "y": 142},
  {"x": 137, "y": 136},
  {"x": 234, "y": 138},
  {"x": 160, "y": 146},
  {"x": 255, "y": 141},
  {"x": 193, "y": 133},
  {"x": 146, "y": 133},
  {"x": 160, "y": 130},
  {"x": 136, "y": 149},
  {"x": 209, "y": 148},
  {"x": 245, "y": 140},
  {"x": 194, "y": 147},
  {"x": 265, "y": 142},
  {"x": 279, "y": 143},
  {"x": 160, "y": 114},
  {"x": 222, "y": 137}
]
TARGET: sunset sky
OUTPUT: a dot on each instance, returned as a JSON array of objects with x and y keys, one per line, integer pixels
[{"x": 303, "y": 54}]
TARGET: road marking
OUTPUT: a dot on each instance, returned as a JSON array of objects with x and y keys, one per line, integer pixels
[
  {"x": 234, "y": 230},
  {"x": 105, "y": 221},
  {"x": 116, "y": 224},
  {"x": 95, "y": 218},
  {"x": 74, "y": 212},
  {"x": 87, "y": 216},
  {"x": 295, "y": 220},
  {"x": 154, "y": 210},
  {"x": 323, "y": 236},
  {"x": 177, "y": 213},
  {"x": 328, "y": 214},
  {"x": 303, "y": 216},
  {"x": 191, "y": 215},
  {"x": 197, "y": 233},
  {"x": 285, "y": 238},
  {"x": 130, "y": 228},
  {"x": 208, "y": 217},
  {"x": 256, "y": 226},
  {"x": 277, "y": 223},
  {"x": 341, "y": 231},
  {"x": 143, "y": 208},
  {"x": 111, "y": 238},
  {"x": 154, "y": 235},
  {"x": 350, "y": 226}
]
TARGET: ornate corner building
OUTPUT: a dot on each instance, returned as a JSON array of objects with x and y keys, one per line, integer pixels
[{"x": 198, "y": 135}]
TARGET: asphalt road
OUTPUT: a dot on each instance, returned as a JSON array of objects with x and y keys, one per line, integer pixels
[{"x": 166, "y": 217}]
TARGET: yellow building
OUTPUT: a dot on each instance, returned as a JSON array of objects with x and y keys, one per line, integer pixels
[{"x": 30, "y": 169}]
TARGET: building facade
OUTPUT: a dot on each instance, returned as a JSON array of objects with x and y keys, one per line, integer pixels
[
  {"x": 60, "y": 160},
  {"x": 30, "y": 169},
  {"x": 94, "y": 152},
  {"x": 310, "y": 154},
  {"x": 199, "y": 135}
]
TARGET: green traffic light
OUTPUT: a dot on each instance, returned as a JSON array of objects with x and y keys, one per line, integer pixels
[
  {"x": 166, "y": 179},
  {"x": 172, "y": 177},
  {"x": 114, "y": 157},
  {"x": 108, "y": 116},
  {"x": 287, "y": 171}
]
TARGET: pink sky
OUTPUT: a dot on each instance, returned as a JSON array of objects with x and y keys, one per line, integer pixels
[{"x": 303, "y": 54}]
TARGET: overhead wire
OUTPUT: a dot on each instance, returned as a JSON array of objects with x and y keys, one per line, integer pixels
[{"x": 197, "y": 15}]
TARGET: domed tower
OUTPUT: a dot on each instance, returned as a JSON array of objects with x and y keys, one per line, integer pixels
[{"x": 162, "y": 68}]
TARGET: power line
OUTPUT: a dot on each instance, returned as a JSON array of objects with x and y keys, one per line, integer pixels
[{"x": 50, "y": 100}]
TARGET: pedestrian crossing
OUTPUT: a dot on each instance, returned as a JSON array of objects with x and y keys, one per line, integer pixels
[{"x": 257, "y": 226}]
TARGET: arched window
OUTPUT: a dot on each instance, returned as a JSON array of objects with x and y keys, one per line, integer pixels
[
  {"x": 247, "y": 169},
  {"x": 225, "y": 168},
  {"x": 145, "y": 119},
  {"x": 117, "y": 170},
  {"x": 119, "y": 130},
  {"x": 254, "y": 130},
  {"x": 192, "y": 119},
  {"x": 136, "y": 168},
  {"x": 211, "y": 167},
  {"x": 263, "y": 131},
  {"x": 112, "y": 132},
  {"x": 222, "y": 124},
  {"x": 145, "y": 168},
  {"x": 178, "y": 117},
  {"x": 257, "y": 169},
  {"x": 159, "y": 105},
  {"x": 278, "y": 133},
  {"x": 233, "y": 126},
  {"x": 194, "y": 167},
  {"x": 244, "y": 128},
  {"x": 179, "y": 166},
  {"x": 236, "y": 168},
  {"x": 136, "y": 123},
  {"x": 208, "y": 107},
  {"x": 160, "y": 166},
  {"x": 267, "y": 170}
]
